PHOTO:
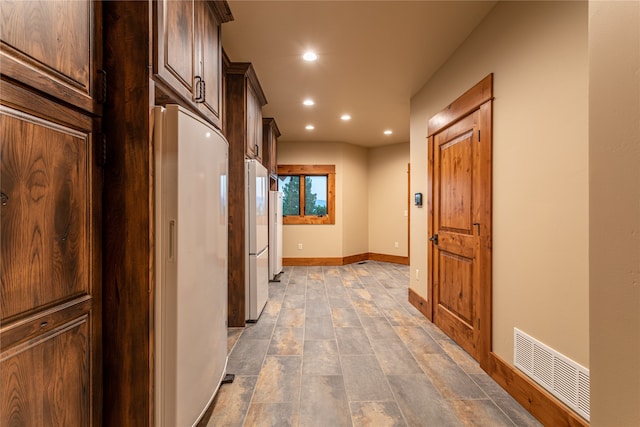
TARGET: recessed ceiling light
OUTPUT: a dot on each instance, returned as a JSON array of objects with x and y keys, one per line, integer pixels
[
  {"x": 308, "y": 102},
  {"x": 309, "y": 56},
  {"x": 388, "y": 132},
  {"x": 309, "y": 127},
  {"x": 345, "y": 117}
]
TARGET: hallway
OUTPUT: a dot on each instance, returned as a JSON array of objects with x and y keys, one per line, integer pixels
[{"x": 341, "y": 346}]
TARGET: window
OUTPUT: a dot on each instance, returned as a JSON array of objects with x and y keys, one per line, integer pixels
[{"x": 308, "y": 193}]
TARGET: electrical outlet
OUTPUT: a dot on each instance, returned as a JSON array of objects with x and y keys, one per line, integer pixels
[
  {"x": 417, "y": 274},
  {"x": 299, "y": 246},
  {"x": 396, "y": 245}
]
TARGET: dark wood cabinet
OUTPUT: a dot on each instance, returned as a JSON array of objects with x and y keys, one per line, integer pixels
[
  {"x": 153, "y": 67},
  {"x": 270, "y": 135},
  {"x": 243, "y": 128},
  {"x": 51, "y": 257},
  {"x": 51, "y": 95},
  {"x": 187, "y": 54},
  {"x": 54, "y": 47}
]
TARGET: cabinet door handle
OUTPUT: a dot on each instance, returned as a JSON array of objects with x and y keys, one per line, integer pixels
[
  {"x": 200, "y": 90},
  {"x": 257, "y": 150}
]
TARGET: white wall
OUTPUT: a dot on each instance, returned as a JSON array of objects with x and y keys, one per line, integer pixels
[
  {"x": 371, "y": 197},
  {"x": 614, "y": 140},
  {"x": 318, "y": 241},
  {"x": 538, "y": 54},
  {"x": 355, "y": 200},
  {"x": 388, "y": 199}
]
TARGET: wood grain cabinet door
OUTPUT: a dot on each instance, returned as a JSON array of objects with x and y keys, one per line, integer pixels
[
  {"x": 210, "y": 63},
  {"x": 50, "y": 258},
  {"x": 254, "y": 125},
  {"x": 53, "y": 46},
  {"x": 175, "y": 45}
]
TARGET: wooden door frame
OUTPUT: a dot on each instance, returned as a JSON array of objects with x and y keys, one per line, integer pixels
[{"x": 479, "y": 97}]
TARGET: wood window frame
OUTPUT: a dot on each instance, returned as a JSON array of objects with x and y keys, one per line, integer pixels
[{"x": 312, "y": 170}]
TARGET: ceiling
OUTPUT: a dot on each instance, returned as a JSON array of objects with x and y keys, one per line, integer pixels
[{"x": 372, "y": 57}]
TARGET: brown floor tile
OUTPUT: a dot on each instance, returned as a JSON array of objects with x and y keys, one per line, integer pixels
[
  {"x": 376, "y": 414},
  {"x": 323, "y": 402}
]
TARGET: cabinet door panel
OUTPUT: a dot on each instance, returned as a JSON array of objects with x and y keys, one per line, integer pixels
[
  {"x": 175, "y": 45},
  {"x": 211, "y": 64},
  {"x": 47, "y": 381},
  {"x": 50, "y": 258},
  {"x": 44, "y": 239},
  {"x": 254, "y": 125},
  {"x": 51, "y": 46}
]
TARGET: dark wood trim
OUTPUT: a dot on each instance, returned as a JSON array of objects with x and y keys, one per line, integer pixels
[
  {"x": 486, "y": 235},
  {"x": 540, "y": 403},
  {"x": 222, "y": 10},
  {"x": 306, "y": 169},
  {"x": 312, "y": 170},
  {"x": 395, "y": 259},
  {"x": 419, "y": 303},
  {"x": 312, "y": 261},
  {"x": 471, "y": 100},
  {"x": 128, "y": 276},
  {"x": 351, "y": 259},
  {"x": 246, "y": 70}
]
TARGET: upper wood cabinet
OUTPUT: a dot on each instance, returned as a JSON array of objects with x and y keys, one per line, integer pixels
[
  {"x": 55, "y": 48},
  {"x": 270, "y": 135},
  {"x": 243, "y": 108},
  {"x": 187, "y": 53}
]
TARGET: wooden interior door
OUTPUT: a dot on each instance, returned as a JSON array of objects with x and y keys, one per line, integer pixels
[
  {"x": 460, "y": 232},
  {"x": 50, "y": 257}
]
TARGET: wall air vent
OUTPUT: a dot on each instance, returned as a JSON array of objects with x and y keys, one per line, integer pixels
[{"x": 559, "y": 375}]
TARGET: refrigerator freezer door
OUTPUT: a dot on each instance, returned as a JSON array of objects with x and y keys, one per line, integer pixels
[
  {"x": 258, "y": 293},
  {"x": 191, "y": 275},
  {"x": 257, "y": 200},
  {"x": 275, "y": 233}
]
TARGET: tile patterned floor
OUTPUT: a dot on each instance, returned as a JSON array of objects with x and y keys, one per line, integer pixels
[{"x": 341, "y": 346}]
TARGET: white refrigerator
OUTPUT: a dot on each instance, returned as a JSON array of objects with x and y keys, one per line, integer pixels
[
  {"x": 190, "y": 178},
  {"x": 275, "y": 234},
  {"x": 257, "y": 239}
]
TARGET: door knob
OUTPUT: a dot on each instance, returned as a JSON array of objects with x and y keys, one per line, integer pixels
[{"x": 434, "y": 238}]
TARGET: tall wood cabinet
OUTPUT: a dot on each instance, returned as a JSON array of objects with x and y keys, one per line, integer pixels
[
  {"x": 244, "y": 100},
  {"x": 50, "y": 232},
  {"x": 164, "y": 65},
  {"x": 270, "y": 135}
]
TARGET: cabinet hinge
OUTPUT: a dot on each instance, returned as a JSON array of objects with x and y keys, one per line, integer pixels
[
  {"x": 101, "y": 148},
  {"x": 101, "y": 94}
]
